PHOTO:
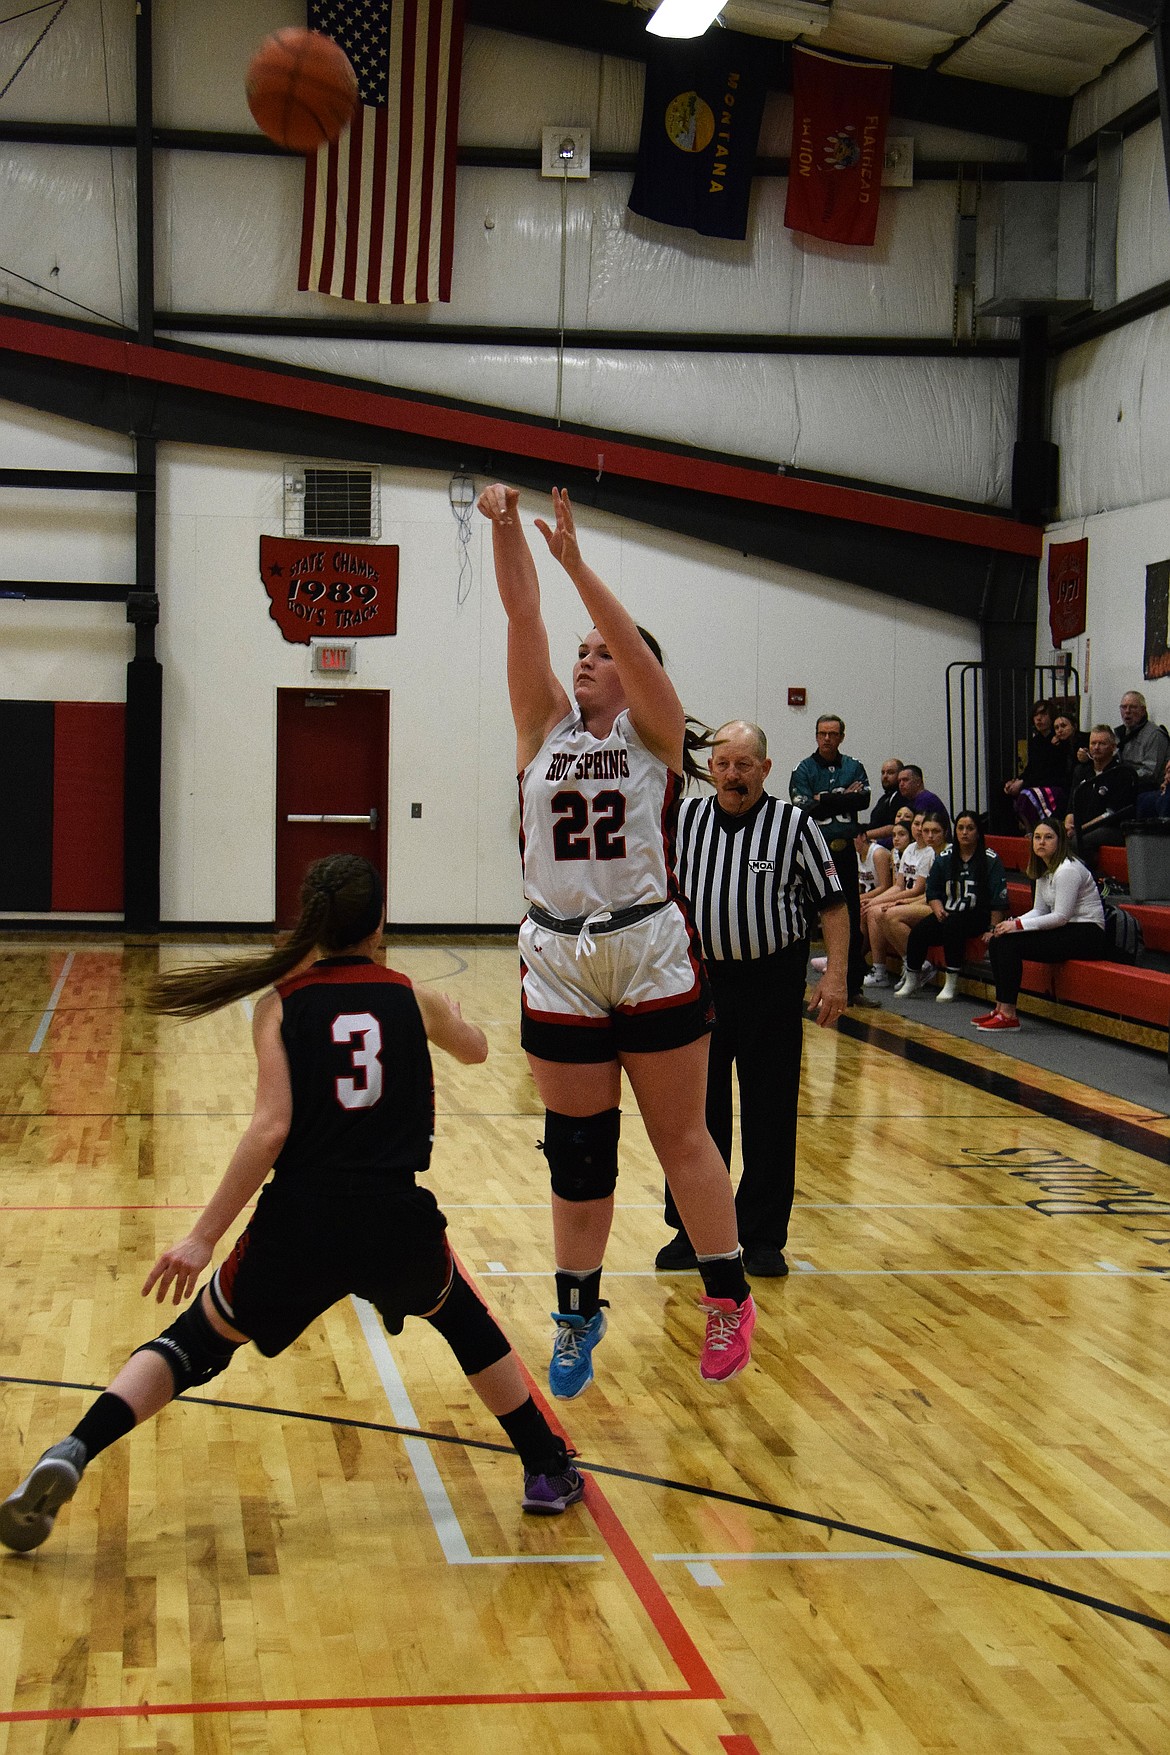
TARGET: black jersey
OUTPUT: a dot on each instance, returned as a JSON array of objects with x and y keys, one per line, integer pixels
[{"x": 363, "y": 1089}]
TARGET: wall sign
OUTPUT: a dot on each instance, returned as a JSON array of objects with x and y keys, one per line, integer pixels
[
  {"x": 1157, "y": 653},
  {"x": 321, "y": 589},
  {"x": 1068, "y": 570}
]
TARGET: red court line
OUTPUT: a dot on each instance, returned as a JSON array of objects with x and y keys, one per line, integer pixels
[
  {"x": 190, "y": 1708},
  {"x": 739, "y": 1745}
]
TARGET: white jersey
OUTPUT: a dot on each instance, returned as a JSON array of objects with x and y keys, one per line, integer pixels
[{"x": 597, "y": 818}]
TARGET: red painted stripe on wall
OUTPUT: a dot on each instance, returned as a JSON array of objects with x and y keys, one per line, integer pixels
[
  {"x": 522, "y": 438},
  {"x": 88, "y": 744}
]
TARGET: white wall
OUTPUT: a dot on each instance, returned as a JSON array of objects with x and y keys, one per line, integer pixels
[
  {"x": 737, "y": 634},
  {"x": 1109, "y": 654}
]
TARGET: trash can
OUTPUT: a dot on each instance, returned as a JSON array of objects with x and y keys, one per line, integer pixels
[{"x": 1147, "y": 853}]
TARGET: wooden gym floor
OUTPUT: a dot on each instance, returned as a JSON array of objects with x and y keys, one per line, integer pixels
[{"x": 933, "y": 1515}]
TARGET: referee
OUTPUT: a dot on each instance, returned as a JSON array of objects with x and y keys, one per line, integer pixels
[{"x": 755, "y": 871}]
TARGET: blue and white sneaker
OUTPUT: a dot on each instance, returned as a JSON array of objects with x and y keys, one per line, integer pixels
[
  {"x": 549, "y": 1495},
  {"x": 570, "y": 1369}
]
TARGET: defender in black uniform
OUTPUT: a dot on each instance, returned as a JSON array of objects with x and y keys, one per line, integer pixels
[{"x": 344, "y": 1117}]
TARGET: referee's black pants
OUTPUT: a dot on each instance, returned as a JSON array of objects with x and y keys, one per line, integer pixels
[{"x": 759, "y": 1022}]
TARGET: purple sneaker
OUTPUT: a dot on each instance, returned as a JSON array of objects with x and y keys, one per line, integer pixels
[{"x": 549, "y": 1495}]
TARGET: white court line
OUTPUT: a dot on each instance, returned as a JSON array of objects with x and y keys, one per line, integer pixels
[
  {"x": 897, "y": 1273},
  {"x": 703, "y": 1573},
  {"x": 249, "y": 1006},
  {"x": 448, "y": 1529},
  {"x": 35, "y": 1045}
]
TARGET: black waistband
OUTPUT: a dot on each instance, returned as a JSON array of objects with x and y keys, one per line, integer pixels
[{"x": 612, "y": 922}]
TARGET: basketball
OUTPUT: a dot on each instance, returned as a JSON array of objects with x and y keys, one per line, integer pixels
[{"x": 301, "y": 89}]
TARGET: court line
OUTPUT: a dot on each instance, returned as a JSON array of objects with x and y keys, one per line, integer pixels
[
  {"x": 34, "y": 1046},
  {"x": 1115, "y": 1130},
  {"x": 448, "y": 1529},
  {"x": 972, "y": 1562},
  {"x": 347, "y": 1703},
  {"x": 791, "y": 1554},
  {"x": 902, "y": 1273}
]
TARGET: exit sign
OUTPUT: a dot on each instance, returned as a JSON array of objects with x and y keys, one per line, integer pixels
[{"x": 334, "y": 657}]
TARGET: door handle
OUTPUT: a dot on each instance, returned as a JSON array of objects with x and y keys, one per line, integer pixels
[{"x": 369, "y": 820}]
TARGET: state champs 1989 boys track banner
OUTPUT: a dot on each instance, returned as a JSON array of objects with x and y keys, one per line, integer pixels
[{"x": 320, "y": 588}]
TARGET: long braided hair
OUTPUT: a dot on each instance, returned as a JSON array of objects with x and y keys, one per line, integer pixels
[{"x": 341, "y": 904}]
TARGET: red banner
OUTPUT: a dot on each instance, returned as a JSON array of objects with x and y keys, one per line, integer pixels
[
  {"x": 839, "y": 115},
  {"x": 319, "y": 590},
  {"x": 1068, "y": 572}
]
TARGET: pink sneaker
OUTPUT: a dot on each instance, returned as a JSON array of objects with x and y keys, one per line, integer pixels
[
  {"x": 728, "y": 1345},
  {"x": 997, "y": 1021}
]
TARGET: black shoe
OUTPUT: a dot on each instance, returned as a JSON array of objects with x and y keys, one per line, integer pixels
[
  {"x": 764, "y": 1261},
  {"x": 679, "y": 1253}
]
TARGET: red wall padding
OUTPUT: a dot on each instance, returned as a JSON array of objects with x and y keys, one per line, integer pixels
[{"x": 88, "y": 742}]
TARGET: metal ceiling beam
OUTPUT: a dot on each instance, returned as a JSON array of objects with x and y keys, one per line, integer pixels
[{"x": 1004, "y": 112}]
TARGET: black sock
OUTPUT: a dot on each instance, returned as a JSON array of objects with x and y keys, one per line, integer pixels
[
  {"x": 539, "y": 1448},
  {"x": 109, "y": 1419},
  {"x": 723, "y": 1276},
  {"x": 578, "y": 1294}
]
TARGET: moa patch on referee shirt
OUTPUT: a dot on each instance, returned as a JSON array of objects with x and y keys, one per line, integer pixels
[{"x": 761, "y": 865}]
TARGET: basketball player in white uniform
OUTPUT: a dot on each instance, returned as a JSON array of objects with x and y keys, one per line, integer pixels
[{"x": 611, "y": 977}]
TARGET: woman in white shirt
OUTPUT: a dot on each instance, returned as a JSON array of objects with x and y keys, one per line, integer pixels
[{"x": 1066, "y": 920}]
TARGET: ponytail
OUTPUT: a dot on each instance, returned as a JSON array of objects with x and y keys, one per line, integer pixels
[{"x": 341, "y": 904}]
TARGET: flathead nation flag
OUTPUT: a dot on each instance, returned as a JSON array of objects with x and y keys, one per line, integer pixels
[{"x": 700, "y": 128}]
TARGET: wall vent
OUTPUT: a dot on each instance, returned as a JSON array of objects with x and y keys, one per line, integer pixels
[{"x": 339, "y": 503}]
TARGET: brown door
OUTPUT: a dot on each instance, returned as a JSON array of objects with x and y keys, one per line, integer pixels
[{"x": 332, "y": 779}]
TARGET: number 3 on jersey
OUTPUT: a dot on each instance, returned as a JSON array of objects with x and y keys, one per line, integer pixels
[{"x": 351, "y": 1094}]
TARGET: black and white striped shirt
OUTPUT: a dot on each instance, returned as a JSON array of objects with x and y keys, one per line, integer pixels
[{"x": 752, "y": 883}]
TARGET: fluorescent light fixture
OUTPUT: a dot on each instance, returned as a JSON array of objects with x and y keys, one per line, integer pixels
[
  {"x": 773, "y": 18},
  {"x": 683, "y": 18}
]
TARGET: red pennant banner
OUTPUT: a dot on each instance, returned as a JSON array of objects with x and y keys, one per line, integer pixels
[
  {"x": 1068, "y": 572},
  {"x": 320, "y": 590},
  {"x": 839, "y": 116}
]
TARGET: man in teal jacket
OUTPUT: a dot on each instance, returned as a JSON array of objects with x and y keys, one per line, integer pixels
[{"x": 834, "y": 789}]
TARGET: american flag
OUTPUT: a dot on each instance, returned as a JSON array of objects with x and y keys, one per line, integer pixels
[{"x": 379, "y": 212}]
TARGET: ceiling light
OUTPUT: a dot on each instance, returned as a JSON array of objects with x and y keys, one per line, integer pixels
[{"x": 683, "y": 18}]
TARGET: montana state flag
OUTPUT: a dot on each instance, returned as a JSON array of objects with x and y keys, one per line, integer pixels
[
  {"x": 700, "y": 128},
  {"x": 839, "y": 115}
]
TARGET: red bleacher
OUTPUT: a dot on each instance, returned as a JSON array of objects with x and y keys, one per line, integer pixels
[{"x": 1118, "y": 989}]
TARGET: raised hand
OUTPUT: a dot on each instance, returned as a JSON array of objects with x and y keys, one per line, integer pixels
[
  {"x": 562, "y": 541},
  {"x": 499, "y": 503}
]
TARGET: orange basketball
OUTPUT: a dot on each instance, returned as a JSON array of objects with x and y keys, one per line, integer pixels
[{"x": 301, "y": 88}]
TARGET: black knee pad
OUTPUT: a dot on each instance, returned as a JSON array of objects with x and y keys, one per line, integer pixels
[
  {"x": 582, "y": 1153},
  {"x": 469, "y": 1328},
  {"x": 194, "y": 1351}
]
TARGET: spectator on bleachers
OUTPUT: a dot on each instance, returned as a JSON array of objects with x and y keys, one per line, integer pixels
[
  {"x": 1103, "y": 799},
  {"x": 913, "y": 789},
  {"x": 887, "y": 860},
  {"x": 1066, "y": 920},
  {"x": 1142, "y": 745},
  {"x": 1040, "y": 789},
  {"x": 889, "y": 921},
  {"x": 881, "y": 819},
  {"x": 867, "y": 879},
  {"x": 1156, "y": 804},
  {"x": 966, "y": 892},
  {"x": 873, "y": 873},
  {"x": 1069, "y": 740}
]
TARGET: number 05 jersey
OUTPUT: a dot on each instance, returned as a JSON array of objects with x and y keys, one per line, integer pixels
[
  {"x": 360, "y": 1068},
  {"x": 597, "y": 819}
]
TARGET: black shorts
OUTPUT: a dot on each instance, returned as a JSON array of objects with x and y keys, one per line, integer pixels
[{"x": 306, "y": 1248}]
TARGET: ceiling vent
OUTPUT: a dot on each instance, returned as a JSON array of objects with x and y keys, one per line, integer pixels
[{"x": 341, "y": 502}]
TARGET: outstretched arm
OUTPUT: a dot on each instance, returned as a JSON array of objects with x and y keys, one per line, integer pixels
[
  {"x": 447, "y": 1028},
  {"x": 538, "y": 700},
  {"x": 655, "y": 709},
  {"x": 181, "y": 1265}
]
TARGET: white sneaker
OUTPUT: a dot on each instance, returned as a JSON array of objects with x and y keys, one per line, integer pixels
[
  {"x": 879, "y": 977},
  {"x": 912, "y": 980},
  {"x": 949, "y": 987}
]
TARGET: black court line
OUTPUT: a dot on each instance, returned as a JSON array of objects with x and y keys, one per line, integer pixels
[
  {"x": 1115, "y": 1130},
  {"x": 1084, "y": 1600}
]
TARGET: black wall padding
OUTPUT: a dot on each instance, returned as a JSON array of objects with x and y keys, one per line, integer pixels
[{"x": 26, "y": 805}]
